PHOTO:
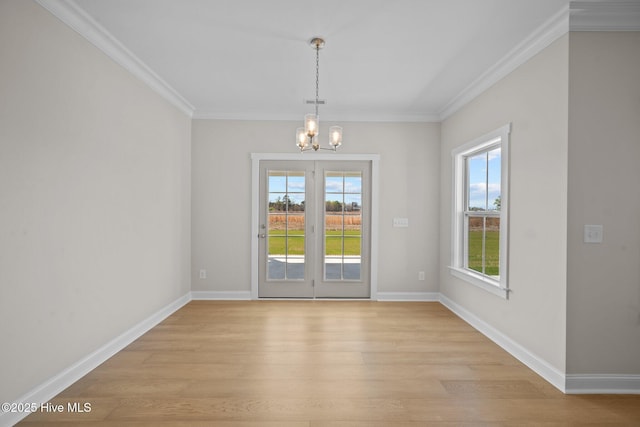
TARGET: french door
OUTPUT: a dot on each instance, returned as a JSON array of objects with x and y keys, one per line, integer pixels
[{"x": 314, "y": 231}]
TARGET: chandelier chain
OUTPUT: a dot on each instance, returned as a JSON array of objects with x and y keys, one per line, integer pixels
[{"x": 317, "y": 76}]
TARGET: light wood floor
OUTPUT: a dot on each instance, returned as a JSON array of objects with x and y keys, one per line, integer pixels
[{"x": 323, "y": 363}]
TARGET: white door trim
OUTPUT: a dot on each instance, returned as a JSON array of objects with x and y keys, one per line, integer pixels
[{"x": 255, "y": 207}]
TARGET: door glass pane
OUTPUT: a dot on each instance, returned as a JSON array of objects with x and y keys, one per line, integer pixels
[
  {"x": 343, "y": 225},
  {"x": 295, "y": 225},
  {"x": 286, "y": 225},
  {"x": 333, "y": 264}
]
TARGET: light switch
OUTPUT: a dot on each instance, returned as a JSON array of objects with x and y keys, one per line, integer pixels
[
  {"x": 400, "y": 222},
  {"x": 593, "y": 233}
]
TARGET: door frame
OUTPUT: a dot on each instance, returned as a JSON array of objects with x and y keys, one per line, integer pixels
[{"x": 374, "y": 159}]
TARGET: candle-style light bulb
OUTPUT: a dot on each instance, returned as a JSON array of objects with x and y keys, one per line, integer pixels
[
  {"x": 311, "y": 124},
  {"x": 301, "y": 138},
  {"x": 335, "y": 136}
]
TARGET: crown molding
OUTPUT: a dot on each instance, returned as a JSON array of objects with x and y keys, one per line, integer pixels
[
  {"x": 333, "y": 117},
  {"x": 605, "y": 16},
  {"x": 577, "y": 16},
  {"x": 543, "y": 36},
  {"x": 72, "y": 15},
  {"x": 254, "y": 116}
]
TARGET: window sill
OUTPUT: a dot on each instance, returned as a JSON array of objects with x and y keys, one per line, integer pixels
[{"x": 482, "y": 282}]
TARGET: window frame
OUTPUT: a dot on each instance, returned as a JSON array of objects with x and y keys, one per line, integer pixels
[{"x": 459, "y": 235}]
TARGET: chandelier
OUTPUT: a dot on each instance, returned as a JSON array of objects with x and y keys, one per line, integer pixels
[{"x": 307, "y": 136}]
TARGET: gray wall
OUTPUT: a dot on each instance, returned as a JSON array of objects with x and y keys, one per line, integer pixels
[
  {"x": 534, "y": 99},
  {"x": 95, "y": 199},
  {"x": 409, "y": 187},
  {"x": 603, "y": 317}
]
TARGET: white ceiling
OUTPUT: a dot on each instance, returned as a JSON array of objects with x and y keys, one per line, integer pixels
[{"x": 406, "y": 60}]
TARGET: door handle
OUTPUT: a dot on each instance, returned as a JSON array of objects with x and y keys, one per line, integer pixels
[{"x": 262, "y": 235}]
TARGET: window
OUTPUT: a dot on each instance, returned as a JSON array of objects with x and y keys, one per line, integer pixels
[{"x": 480, "y": 211}]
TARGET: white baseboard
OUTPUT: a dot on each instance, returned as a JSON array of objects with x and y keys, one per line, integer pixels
[
  {"x": 602, "y": 384},
  {"x": 537, "y": 364},
  {"x": 408, "y": 296},
  {"x": 221, "y": 295},
  {"x": 55, "y": 385}
]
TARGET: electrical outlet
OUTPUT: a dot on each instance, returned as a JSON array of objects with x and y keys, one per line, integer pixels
[
  {"x": 421, "y": 275},
  {"x": 203, "y": 274},
  {"x": 593, "y": 233}
]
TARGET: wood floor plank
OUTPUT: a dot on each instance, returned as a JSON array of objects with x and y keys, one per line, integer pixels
[
  {"x": 309, "y": 358},
  {"x": 317, "y": 389},
  {"x": 492, "y": 389},
  {"x": 323, "y": 364},
  {"x": 266, "y": 409},
  {"x": 219, "y": 371}
]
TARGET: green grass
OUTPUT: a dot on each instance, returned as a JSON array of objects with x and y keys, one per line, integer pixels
[
  {"x": 352, "y": 246},
  {"x": 492, "y": 252},
  {"x": 295, "y": 246}
]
